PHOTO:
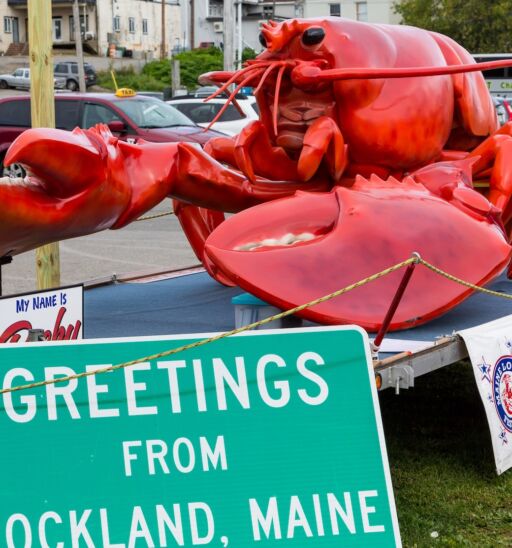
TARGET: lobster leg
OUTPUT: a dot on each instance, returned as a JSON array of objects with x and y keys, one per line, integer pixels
[
  {"x": 197, "y": 224},
  {"x": 323, "y": 139},
  {"x": 495, "y": 155}
]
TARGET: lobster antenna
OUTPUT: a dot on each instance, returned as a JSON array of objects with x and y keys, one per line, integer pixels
[{"x": 404, "y": 72}]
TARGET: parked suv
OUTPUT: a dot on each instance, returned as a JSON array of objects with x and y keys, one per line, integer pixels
[
  {"x": 69, "y": 71},
  {"x": 129, "y": 118},
  {"x": 233, "y": 119}
]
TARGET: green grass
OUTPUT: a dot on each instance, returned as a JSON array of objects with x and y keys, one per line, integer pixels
[{"x": 442, "y": 464}]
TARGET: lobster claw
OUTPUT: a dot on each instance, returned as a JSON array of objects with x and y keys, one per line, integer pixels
[
  {"x": 78, "y": 183},
  {"x": 294, "y": 250}
]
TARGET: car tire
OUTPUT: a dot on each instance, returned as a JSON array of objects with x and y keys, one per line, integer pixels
[
  {"x": 14, "y": 170},
  {"x": 3, "y": 84},
  {"x": 72, "y": 85}
]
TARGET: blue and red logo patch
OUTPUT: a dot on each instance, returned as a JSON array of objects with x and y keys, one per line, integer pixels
[{"x": 502, "y": 390}]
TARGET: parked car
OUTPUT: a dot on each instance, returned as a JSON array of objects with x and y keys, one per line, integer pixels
[
  {"x": 20, "y": 79},
  {"x": 232, "y": 120},
  {"x": 69, "y": 71},
  {"x": 129, "y": 118}
]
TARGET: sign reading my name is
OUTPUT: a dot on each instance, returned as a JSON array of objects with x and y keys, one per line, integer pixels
[
  {"x": 58, "y": 312},
  {"x": 271, "y": 438}
]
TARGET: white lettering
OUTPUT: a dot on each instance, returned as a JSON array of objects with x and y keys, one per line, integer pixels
[
  {"x": 139, "y": 529},
  {"x": 281, "y": 386},
  {"x": 219, "y": 452},
  {"x": 177, "y": 458},
  {"x": 79, "y": 529},
  {"x": 28, "y": 401},
  {"x": 270, "y": 520},
  {"x": 176, "y": 527},
  {"x": 133, "y": 387},
  {"x": 297, "y": 518},
  {"x": 313, "y": 377},
  {"x": 193, "y": 509},
  {"x": 93, "y": 389},
  {"x": 42, "y": 528},
  {"x": 59, "y": 389},
  {"x": 26, "y": 530},
  {"x": 128, "y": 456},
  {"x": 159, "y": 455},
  {"x": 366, "y": 510},
  {"x": 223, "y": 376},
  {"x": 174, "y": 387},
  {"x": 336, "y": 508}
]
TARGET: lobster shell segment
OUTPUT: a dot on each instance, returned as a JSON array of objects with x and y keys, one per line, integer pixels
[{"x": 294, "y": 250}]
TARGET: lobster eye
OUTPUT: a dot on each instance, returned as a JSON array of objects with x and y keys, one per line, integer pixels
[
  {"x": 313, "y": 36},
  {"x": 263, "y": 42}
]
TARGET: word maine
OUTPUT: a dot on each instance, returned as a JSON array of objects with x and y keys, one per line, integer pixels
[{"x": 189, "y": 386}]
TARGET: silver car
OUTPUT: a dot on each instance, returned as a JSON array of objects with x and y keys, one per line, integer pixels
[{"x": 20, "y": 79}]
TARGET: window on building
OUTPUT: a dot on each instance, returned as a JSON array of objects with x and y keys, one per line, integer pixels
[
  {"x": 131, "y": 24},
  {"x": 362, "y": 11},
  {"x": 144, "y": 26},
  {"x": 84, "y": 26},
  {"x": 335, "y": 10},
  {"x": 117, "y": 23},
  {"x": 8, "y": 25},
  {"x": 268, "y": 12}
]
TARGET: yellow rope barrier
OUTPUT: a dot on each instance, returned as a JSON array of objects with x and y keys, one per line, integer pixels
[
  {"x": 202, "y": 342},
  {"x": 156, "y": 216},
  {"x": 414, "y": 259},
  {"x": 462, "y": 282}
]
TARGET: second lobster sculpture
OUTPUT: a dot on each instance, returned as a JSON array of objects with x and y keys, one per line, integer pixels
[{"x": 370, "y": 140}]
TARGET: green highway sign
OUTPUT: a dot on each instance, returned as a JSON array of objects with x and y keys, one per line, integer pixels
[{"x": 270, "y": 438}]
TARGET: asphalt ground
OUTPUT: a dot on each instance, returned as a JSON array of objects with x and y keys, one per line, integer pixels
[{"x": 141, "y": 248}]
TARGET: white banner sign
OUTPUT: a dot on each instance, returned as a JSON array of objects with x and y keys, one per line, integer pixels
[
  {"x": 490, "y": 350},
  {"x": 58, "y": 312}
]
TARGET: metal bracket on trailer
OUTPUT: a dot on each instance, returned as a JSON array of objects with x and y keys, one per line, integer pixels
[{"x": 400, "y": 370}]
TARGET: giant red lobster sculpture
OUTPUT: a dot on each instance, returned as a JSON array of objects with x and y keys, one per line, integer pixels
[{"x": 369, "y": 142}]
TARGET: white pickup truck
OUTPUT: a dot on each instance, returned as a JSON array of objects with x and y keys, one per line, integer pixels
[{"x": 20, "y": 79}]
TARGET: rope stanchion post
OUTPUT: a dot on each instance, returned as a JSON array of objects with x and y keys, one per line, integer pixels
[{"x": 394, "y": 303}]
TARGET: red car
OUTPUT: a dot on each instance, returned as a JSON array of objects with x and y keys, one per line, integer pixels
[{"x": 128, "y": 117}]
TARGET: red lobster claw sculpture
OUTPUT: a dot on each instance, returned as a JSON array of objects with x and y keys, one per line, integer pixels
[{"x": 370, "y": 140}]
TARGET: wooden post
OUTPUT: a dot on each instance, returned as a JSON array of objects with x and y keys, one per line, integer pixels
[
  {"x": 78, "y": 47},
  {"x": 43, "y": 114}
]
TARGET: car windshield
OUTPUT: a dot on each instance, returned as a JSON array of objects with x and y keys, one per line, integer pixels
[{"x": 150, "y": 113}]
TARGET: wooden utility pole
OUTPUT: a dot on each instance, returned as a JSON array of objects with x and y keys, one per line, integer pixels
[
  {"x": 175, "y": 76},
  {"x": 192, "y": 24},
  {"x": 163, "y": 53},
  {"x": 42, "y": 106},
  {"x": 229, "y": 31},
  {"x": 78, "y": 47}
]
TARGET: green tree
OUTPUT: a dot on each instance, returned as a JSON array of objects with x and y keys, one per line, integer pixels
[
  {"x": 195, "y": 62},
  {"x": 481, "y": 26}
]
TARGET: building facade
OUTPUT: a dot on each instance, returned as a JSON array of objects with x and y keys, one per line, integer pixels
[
  {"x": 118, "y": 27},
  {"x": 202, "y": 19},
  {"x": 372, "y": 11}
]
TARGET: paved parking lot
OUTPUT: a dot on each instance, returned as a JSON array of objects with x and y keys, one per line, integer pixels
[{"x": 142, "y": 247}]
